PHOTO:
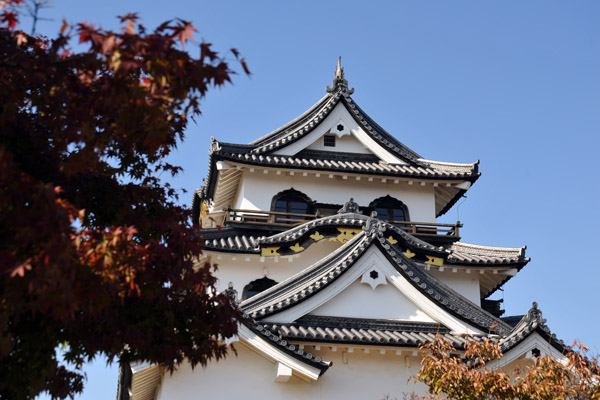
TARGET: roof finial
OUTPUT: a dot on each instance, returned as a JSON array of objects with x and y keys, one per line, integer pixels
[
  {"x": 339, "y": 72},
  {"x": 340, "y": 84}
]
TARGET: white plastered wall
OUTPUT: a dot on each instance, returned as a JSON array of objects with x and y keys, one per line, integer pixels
[
  {"x": 359, "y": 300},
  {"x": 257, "y": 191},
  {"x": 344, "y": 144},
  {"x": 241, "y": 269},
  {"x": 464, "y": 283},
  {"x": 248, "y": 375}
]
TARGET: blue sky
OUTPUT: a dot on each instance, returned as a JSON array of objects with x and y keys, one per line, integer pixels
[{"x": 514, "y": 84}]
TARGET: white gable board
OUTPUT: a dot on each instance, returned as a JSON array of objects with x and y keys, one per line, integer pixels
[{"x": 340, "y": 115}]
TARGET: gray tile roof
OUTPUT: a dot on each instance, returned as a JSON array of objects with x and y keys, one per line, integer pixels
[
  {"x": 362, "y": 331},
  {"x": 315, "y": 278},
  {"x": 425, "y": 171}
]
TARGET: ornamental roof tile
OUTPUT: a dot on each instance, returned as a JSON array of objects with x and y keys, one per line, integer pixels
[{"x": 347, "y": 220}]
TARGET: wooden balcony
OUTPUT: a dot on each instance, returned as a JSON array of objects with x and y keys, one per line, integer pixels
[{"x": 270, "y": 220}]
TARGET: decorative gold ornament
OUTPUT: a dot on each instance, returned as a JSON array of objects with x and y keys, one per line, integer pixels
[
  {"x": 269, "y": 251},
  {"x": 345, "y": 235},
  {"x": 203, "y": 210},
  {"x": 392, "y": 240},
  {"x": 316, "y": 236},
  {"x": 296, "y": 248},
  {"x": 409, "y": 254},
  {"x": 435, "y": 261}
]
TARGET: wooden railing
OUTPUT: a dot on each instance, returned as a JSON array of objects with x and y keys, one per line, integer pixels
[
  {"x": 257, "y": 217},
  {"x": 428, "y": 228},
  {"x": 266, "y": 217}
]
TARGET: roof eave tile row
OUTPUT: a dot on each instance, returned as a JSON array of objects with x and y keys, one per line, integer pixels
[
  {"x": 425, "y": 171},
  {"x": 360, "y": 336}
]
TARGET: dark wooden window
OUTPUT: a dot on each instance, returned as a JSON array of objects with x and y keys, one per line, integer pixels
[
  {"x": 291, "y": 201},
  {"x": 329, "y": 140},
  {"x": 390, "y": 209},
  {"x": 257, "y": 286}
]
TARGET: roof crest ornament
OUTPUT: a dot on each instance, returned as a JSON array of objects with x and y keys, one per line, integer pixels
[
  {"x": 350, "y": 207},
  {"x": 534, "y": 314},
  {"x": 214, "y": 145},
  {"x": 339, "y": 82},
  {"x": 374, "y": 226}
]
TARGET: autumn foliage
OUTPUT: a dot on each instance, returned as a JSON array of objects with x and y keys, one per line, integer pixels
[
  {"x": 475, "y": 375},
  {"x": 96, "y": 257}
]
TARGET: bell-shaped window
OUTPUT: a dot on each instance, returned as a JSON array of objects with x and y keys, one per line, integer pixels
[
  {"x": 257, "y": 286},
  {"x": 390, "y": 209},
  {"x": 291, "y": 201}
]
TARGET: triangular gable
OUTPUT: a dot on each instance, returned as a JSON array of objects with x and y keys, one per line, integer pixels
[
  {"x": 324, "y": 280},
  {"x": 374, "y": 260},
  {"x": 351, "y": 138}
]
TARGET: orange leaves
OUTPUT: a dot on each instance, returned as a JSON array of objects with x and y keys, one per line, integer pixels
[
  {"x": 467, "y": 377},
  {"x": 114, "y": 255},
  {"x": 184, "y": 31}
]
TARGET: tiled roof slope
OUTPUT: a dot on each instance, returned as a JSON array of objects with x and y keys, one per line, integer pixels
[
  {"x": 230, "y": 240},
  {"x": 321, "y": 274},
  {"x": 291, "y": 349},
  {"x": 466, "y": 253},
  {"x": 362, "y": 331}
]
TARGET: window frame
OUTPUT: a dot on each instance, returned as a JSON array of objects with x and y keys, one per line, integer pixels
[
  {"x": 289, "y": 196},
  {"x": 391, "y": 204}
]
